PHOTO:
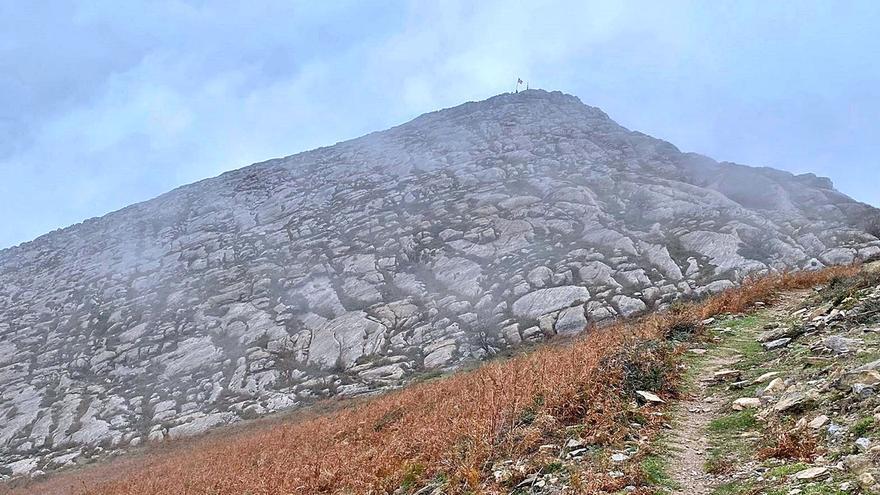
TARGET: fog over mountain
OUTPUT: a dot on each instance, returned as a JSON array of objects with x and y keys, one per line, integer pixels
[{"x": 348, "y": 269}]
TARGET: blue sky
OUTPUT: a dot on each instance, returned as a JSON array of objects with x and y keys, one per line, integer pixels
[{"x": 106, "y": 103}]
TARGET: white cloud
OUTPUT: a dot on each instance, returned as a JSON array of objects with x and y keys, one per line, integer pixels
[{"x": 178, "y": 91}]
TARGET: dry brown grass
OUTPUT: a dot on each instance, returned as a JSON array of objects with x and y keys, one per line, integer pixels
[
  {"x": 794, "y": 444},
  {"x": 452, "y": 427}
]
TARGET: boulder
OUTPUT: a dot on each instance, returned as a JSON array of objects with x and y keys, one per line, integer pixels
[
  {"x": 793, "y": 402},
  {"x": 770, "y": 375},
  {"x": 818, "y": 422},
  {"x": 727, "y": 375},
  {"x": 776, "y": 344},
  {"x": 540, "y": 276},
  {"x": 746, "y": 403},
  {"x": 571, "y": 321},
  {"x": 543, "y": 301},
  {"x": 649, "y": 397},
  {"x": 629, "y": 306},
  {"x": 813, "y": 473},
  {"x": 840, "y": 345},
  {"x": 778, "y": 333}
]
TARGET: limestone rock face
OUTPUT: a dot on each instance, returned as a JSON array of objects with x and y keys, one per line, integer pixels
[
  {"x": 543, "y": 301},
  {"x": 346, "y": 269}
]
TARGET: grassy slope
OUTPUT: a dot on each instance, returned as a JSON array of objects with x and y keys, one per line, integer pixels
[
  {"x": 556, "y": 415},
  {"x": 745, "y": 443}
]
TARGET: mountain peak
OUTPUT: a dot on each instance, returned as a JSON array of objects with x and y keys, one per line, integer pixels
[
  {"x": 537, "y": 101},
  {"x": 352, "y": 268},
  {"x": 554, "y": 96}
]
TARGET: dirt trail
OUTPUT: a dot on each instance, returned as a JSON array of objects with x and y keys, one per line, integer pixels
[{"x": 689, "y": 441}]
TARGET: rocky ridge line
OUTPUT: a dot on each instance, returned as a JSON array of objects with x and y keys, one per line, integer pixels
[{"x": 347, "y": 269}]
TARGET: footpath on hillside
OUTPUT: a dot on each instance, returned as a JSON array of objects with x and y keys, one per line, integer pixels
[
  {"x": 776, "y": 394},
  {"x": 784, "y": 400}
]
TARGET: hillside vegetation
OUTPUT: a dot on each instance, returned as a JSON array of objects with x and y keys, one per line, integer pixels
[
  {"x": 576, "y": 416},
  {"x": 348, "y": 270},
  {"x": 784, "y": 400}
]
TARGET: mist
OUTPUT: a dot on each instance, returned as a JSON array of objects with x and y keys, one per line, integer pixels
[{"x": 152, "y": 96}]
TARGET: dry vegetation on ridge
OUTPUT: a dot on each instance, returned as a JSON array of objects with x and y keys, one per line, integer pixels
[{"x": 447, "y": 432}]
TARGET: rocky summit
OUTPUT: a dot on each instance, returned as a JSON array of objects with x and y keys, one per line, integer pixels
[{"x": 348, "y": 269}]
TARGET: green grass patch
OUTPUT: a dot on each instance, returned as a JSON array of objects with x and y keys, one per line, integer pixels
[
  {"x": 823, "y": 489},
  {"x": 866, "y": 358},
  {"x": 786, "y": 470},
  {"x": 733, "y": 488},
  {"x": 744, "y": 322},
  {"x": 813, "y": 489},
  {"x": 654, "y": 470},
  {"x": 693, "y": 363},
  {"x": 553, "y": 467},
  {"x": 734, "y": 422},
  {"x": 742, "y": 340},
  {"x": 863, "y": 426},
  {"x": 412, "y": 476},
  {"x": 753, "y": 357},
  {"x": 530, "y": 413},
  {"x": 727, "y": 445}
]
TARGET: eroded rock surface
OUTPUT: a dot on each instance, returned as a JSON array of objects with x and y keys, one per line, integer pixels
[{"x": 346, "y": 269}]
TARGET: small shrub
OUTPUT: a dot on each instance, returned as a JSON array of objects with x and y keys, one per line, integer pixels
[
  {"x": 530, "y": 413},
  {"x": 868, "y": 312},
  {"x": 412, "y": 476},
  {"x": 863, "y": 426},
  {"x": 718, "y": 463},
  {"x": 649, "y": 366},
  {"x": 388, "y": 419},
  {"x": 682, "y": 331},
  {"x": 788, "y": 443},
  {"x": 843, "y": 285},
  {"x": 553, "y": 467}
]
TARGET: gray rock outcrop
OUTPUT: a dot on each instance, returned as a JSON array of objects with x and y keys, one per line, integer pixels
[{"x": 347, "y": 269}]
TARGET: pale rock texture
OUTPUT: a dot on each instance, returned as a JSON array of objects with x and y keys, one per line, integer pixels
[{"x": 348, "y": 269}]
